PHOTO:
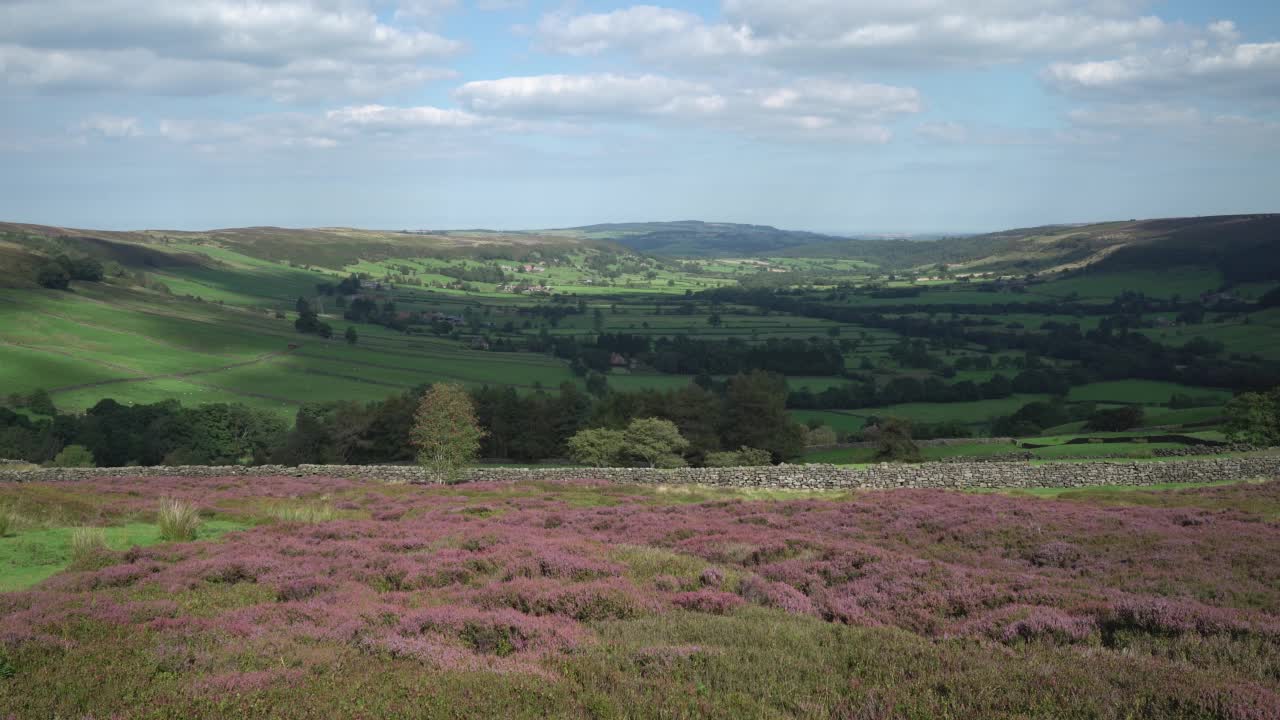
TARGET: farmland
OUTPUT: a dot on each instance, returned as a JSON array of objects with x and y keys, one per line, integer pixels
[
  {"x": 587, "y": 600},
  {"x": 207, "y": 318}
]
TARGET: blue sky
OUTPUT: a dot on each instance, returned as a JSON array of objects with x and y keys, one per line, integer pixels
[{"x": 831, "y": 115}]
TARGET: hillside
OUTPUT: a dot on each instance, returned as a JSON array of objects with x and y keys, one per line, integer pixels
[
  {"x": 218, "y": 317},
  {"x": 692, "y": 238},
  {"x": 1243, "y": 247}
]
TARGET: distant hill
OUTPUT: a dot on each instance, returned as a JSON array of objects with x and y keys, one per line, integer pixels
[
  {"x": 694, "y": 238},
  {"x": 23, "y": 246},
  {"x": 1244, "y": 247}
]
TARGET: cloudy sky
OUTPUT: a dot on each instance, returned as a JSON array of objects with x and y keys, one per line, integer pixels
[{"x": 831, "y": 115}]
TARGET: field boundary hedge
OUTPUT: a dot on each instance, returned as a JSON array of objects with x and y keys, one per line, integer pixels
[{"x": 924, "y": 475}]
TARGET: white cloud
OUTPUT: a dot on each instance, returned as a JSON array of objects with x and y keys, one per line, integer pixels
[
  {"x": 806, "y": 108},
  {"x": 112, "y": 126},
  {"x": 599, "y": 94},
  {"x": 379, "y": 117},
  {"x": 822, "y": 31},
  {"x": 286, "y": 49},
  {"x": 1196, "y": 68}
]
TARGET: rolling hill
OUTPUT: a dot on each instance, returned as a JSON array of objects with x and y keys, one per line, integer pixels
[{"x": 1244, "y": 247}]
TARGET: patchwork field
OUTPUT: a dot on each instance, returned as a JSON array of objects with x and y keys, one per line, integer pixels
[{"x": 314, "y": 597}]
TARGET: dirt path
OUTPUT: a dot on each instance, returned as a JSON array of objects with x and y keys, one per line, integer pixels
[{"x": 165, "y": 376}]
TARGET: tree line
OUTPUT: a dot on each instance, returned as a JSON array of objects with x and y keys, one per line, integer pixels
[{"x": 745, "y": 411}]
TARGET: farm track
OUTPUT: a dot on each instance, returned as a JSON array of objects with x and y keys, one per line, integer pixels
[
  {"x": 170, "y": 376},
  {"x": 380, "y": 366}
]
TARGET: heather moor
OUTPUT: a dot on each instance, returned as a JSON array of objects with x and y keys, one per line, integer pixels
[{"x": 840, "y": 359}]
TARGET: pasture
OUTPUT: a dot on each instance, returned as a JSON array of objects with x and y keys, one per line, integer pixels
[{"x": 307, "y": 597}]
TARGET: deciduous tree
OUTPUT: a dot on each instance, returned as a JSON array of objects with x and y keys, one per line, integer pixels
[{"x": 445, "y": 430}]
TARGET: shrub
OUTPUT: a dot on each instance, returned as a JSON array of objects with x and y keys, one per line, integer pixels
[
  {"x": 654, "y": 440},
  {"x": 73, "y": 456},
  {"x": 893, "y": 442},
  {"x": 715, "y": 602},
  {"x": 178, "y": 521},
  {"x": 1116, "y": 420},
  {"x": 88, "y": 546},
  {"x": 53, "y": 276},
  {"x": 597, "y": 447},
  {"x": 743, "y": 457},
  {"x": 819, "y": 436}
]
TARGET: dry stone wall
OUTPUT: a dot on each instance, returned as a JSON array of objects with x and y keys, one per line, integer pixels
[{"x": 814, "y": 477}]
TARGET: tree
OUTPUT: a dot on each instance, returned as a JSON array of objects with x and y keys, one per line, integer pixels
[
  {"x": 893, "y": 441},
  {"x": 40, "y": 403},
  {"x": 598, "y": 447},
  {"x": 351, "y": 335},
  {"x": 653, "y": 440},
  {"x": 1116, "y": 420},
  {"x": 445, "y": 430},
  {"x": 597, "y": 384},
  {"x": 1255, "y": 418},
  {"x": 86, "y": 269},
  {"x": 73, "y": 456},
  {"x": 755, "y": 415},
  {"x": 53, "y": 276}
]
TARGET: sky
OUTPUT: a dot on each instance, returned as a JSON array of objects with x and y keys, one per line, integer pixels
[{"x": 843, "y": 116}]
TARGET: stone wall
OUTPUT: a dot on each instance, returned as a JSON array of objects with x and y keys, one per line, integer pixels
[{"x": 925, "y": 475}]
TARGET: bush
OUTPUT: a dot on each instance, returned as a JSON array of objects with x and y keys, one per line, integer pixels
[
  {"x": 653, "y": 440},
  {"x": 1116, "y": 420},
  {"x": 53, "y": 276},
  {"x": 73, "y": 456},
  {"x": 743, "y": 457},
  {"x": 893, "y": 442},
  {"x": 8, "y": 522},
  {"x": 178, "y": 521},
  {"x": 598, "y": 447},
  {"x": 819, "y": 436}
]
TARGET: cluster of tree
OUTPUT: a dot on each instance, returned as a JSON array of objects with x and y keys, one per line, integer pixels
[
  {"x": 684, "y": 355},
  {"x": 1034, "y": 417},
  {"x": 367, "y": 310},
  {"x": 1111, "y": 351},
  {"x": 474, "y": 273},
  {"x": 866, "y": 393},
  {"x": 349, "y": 285},
  {"x": 161, "y": 433},
  {"x": 58, "y": 272},
  {"x": 310, "y": 323},
  {"x": 745, "y": 411}
]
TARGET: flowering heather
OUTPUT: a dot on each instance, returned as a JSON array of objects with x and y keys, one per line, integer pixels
[{"x": 566, "y": 595}]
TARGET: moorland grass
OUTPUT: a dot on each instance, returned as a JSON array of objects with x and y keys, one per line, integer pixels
[
  {"x": 178, "y": 521},
  {"x": 291, "y": 621}
]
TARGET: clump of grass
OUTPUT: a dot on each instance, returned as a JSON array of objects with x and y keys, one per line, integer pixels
[
  {"x": 178, "y": 520},
  {"x": 8, "y": 522},
  {"x": 310, "y": 513},
  {"x": 88, "y": 547}
]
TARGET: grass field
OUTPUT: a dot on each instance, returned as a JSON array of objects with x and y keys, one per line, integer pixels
[
  {"x": 583, "y": 600},
  {"x": 1143, "y": 392}
]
